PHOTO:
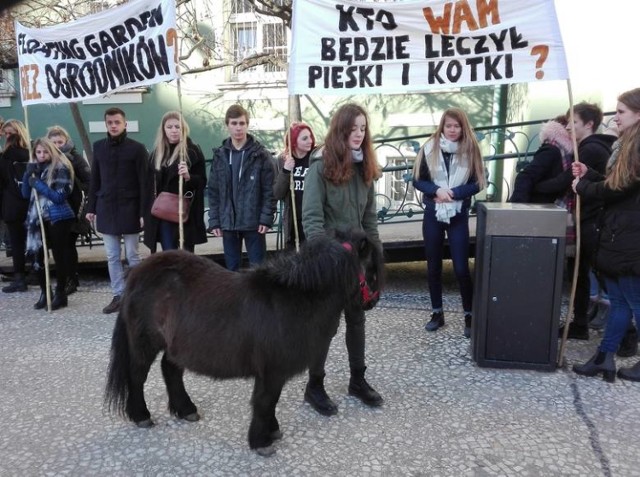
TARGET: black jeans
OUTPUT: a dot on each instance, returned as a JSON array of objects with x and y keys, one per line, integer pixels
[
  {"x": 588, "y": 244},
  {"x": 355, "y": 340}
]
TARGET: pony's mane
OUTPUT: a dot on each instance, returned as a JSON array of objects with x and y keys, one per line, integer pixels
[{"x": 322, "y": 263}]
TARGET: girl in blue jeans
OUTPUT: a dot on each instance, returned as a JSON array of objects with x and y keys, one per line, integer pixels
[
  {"x": 618, "y": 253},
  {"x": 449, "y": 171}
]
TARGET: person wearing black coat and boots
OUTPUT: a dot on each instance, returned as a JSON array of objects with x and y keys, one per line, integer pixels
[
  {"x": 117, "y": 198},
  {"x": 13, "y": 161},
  {"x": 617, "y": 256},
  {"x": 175, "y": 155},
  {"x": 82, "y": 173}
]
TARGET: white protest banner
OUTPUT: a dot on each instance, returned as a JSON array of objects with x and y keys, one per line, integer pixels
[
  {"x": 131, "y": 45},
  {"x": 355, "y": 47}
]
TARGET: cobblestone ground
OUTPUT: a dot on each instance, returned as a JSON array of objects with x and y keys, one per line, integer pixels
[{"x": 443, "y": 415}]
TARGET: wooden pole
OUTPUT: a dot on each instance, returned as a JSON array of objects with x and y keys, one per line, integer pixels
[
  {"x": 292, "y": 191},
  {"x": 574, "y": 281}
]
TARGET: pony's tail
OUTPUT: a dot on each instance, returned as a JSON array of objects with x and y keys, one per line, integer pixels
[{"x": 117, "y": 387}]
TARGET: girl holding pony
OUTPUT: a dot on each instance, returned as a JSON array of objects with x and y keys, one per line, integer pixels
[
  {"x": 617, "y": 256},
  {"x": 449, "y": 171},
  {"x": 174, "y": 155},
  {"x": 339, "y": 193},
  {"x": 51, "y": 174},
  {"x": 13, "y": 159},
  {"x": 298, "y": 144}
]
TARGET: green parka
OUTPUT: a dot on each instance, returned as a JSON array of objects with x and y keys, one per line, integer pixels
[{"x": 329, "y": 206}]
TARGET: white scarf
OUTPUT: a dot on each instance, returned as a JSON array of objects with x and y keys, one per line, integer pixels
[{"x": 458, "y": 175}]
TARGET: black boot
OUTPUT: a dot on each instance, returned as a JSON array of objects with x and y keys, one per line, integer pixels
[
  {"x": 601, "y": 362},
  {"x": 72, "y": 284},
  {"x": 42, "y": 301},
  {"x": 17, "y": 285},
  {"x": 629, "y": 344},
  {"x": 315, "y": 395},
  {"x": 467, "y": 325},
  {"x": 436, "y": 321},
  {"x": 60, "y": 298},
  {"x": 630, "y": 374},
  {"x": 360, "y": 388}
]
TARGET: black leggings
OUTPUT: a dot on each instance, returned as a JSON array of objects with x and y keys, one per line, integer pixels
[
  {"x": 58, "y": 241},
  {"x": 18, "y": 236}
]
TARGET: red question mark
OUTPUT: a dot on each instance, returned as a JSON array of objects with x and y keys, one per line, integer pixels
[{"x": 543, "y": 51}]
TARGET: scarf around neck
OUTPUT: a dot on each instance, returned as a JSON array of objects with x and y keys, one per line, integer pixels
[{"x": 458, "y": 174}]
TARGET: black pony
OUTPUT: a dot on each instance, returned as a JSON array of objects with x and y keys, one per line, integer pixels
[{"x": 269, "y": 323}]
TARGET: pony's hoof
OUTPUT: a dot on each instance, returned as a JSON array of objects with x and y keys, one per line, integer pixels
[
  {"x": 265, "y": 451},
  {"x": 146, "y": 424},
  {"x": 276, "y": 435},
  {"x": 193, "y": 417}
]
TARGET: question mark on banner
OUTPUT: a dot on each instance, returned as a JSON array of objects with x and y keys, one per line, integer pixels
[
  {"x": 543, "y": 51},
  {"x": 172, "y": 40}
]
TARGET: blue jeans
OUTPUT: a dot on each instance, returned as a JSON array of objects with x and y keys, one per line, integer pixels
[
  {"x": 170, "y": 237},
  {"x": 624, "y": 295},
  {"x": 113, "y": 250},
  {"x": 457, "y": 231},
  {"x": 254, "y": 242}
]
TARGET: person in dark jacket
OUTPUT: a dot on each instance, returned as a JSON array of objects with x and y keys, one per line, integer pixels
[
  {"x": 175, "y": 155},
  {"x": 117, "y": 197},
  {"x": 240, "y": 192},
  {"x": 618, "y": 254},
  {"x": 547, "y": 163},
  {"x": 339, "y": 194},
  {"x": 13, "y": 160},
  {"x": 50, "y": 173},
  {"x": 82, "y": 173},
  {"x": 294, "y": 160}
]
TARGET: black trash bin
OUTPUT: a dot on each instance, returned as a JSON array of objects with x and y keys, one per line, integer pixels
[{"x": 518, "y": 285}]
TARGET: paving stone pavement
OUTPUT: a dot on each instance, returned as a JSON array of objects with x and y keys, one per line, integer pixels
[{"x": 443, "y": 415}]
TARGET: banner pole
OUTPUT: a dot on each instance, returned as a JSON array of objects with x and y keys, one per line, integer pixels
[
  {"x": 181, "y": 158},
  {"x": 569, "y": 318},
  {"x": 36, "y": 198},
  {"x": 292, "y": 192}
]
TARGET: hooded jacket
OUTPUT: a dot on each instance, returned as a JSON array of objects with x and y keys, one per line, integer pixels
[
  {"x": 546, "y": 164},
  {"x": 240, "y": 187}
]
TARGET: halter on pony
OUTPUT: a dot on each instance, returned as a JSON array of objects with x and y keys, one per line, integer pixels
[{"x": 368, "y": 296}]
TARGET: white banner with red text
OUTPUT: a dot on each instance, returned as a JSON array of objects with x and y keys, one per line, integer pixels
[
  {"x": 354, "y": 47},
  {"x": 131, "y": 45}
]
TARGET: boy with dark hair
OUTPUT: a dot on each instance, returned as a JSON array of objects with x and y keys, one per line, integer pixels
[
  {"x": 594, "y": 151},
  {"x": 240, "y": 192},
  {"x": 116, "y": 196}
]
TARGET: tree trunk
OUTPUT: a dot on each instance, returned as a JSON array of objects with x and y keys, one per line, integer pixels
[
  {"x": 82, "y": 131},
  {"x": 295, "y": 112}
]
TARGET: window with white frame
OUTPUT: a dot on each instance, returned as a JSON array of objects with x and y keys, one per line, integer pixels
[{"x": 252, "y": 34}]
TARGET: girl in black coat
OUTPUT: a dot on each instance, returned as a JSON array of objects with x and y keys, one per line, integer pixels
[
  {"x": 618, "y": 252},
  {"x": 175, "y": 155},
  {"x": 13, "y": 160}
]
